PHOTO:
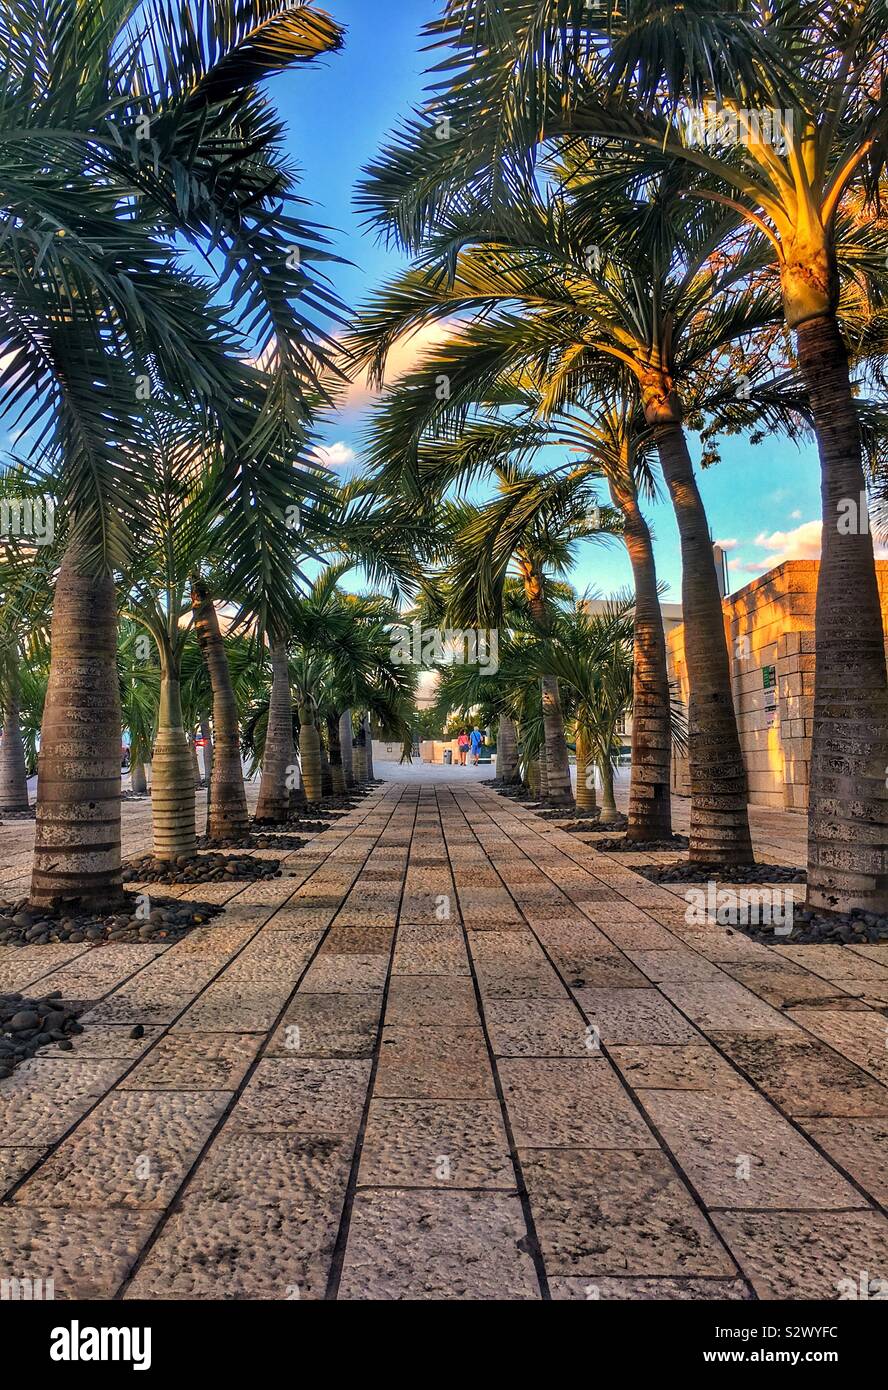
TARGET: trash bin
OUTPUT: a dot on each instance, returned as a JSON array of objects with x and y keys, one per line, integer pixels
[{"x": 448, "y": 755}]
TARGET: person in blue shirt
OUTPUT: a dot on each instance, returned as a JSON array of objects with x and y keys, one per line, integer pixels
[{"x": 477, "y": 742}]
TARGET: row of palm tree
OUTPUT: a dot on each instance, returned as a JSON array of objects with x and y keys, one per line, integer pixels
[{"x": 601, "y": 277}]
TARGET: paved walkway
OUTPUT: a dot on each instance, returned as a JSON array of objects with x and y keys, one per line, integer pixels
[{"x": 454, "y": 1053}]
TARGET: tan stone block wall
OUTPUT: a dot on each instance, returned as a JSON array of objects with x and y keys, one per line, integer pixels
[{"x": 770, "y": 622}]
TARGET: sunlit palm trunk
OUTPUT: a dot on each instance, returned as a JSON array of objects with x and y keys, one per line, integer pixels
[
  {"x": 507, "y": 752},
  {"x": 310, "y": 748},
  {"x": 138, "y": 779},
  {"x": 336, "y": 773},
  {"x": 533, "y": 776},
  {"x": 345, "y": 743},
  {"x": 227, "y": 816},
  {"x": 650, "y": 810},
  {"x": 585, "y": 775},
  {"x": 77, "y": 847},
  {"x": 368, "y": 747},
  {"x": 719, "y": 830},
  {"x": 172, "y": 788},
  {"x": 13, "y": 772},
  {"x": 609, "y": 810},
  {"x": 848, "y": 800},
  {"x": 279, "y": 757}
]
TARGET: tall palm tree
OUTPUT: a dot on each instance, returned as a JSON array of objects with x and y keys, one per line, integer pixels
[
  {"x": 117, "y": 142},
  {"x": 530, "y": 74}
]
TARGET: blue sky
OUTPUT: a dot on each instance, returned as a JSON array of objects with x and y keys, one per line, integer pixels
[{"x": 764, "y": 499}]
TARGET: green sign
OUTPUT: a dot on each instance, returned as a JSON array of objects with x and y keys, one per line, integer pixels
[{"x": 769, "y": 677}]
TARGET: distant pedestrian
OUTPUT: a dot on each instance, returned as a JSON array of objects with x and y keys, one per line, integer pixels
[
  {"x": 462, "y": 744},
  {"x": 477, "y": 743}
]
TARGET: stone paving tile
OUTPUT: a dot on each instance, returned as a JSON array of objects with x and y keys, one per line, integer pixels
[
  {"x": 681, "y": 967},
  {"x": 738, "y": 1151},
  {"x": 691, "y": 1067},
  {"x": 570, "y": 1104},
  {"x": 857, "y": 1035},
  {"x": 87, "y": 1254},
  {"x": 616, "y": 1211},
  {"x": 803, "y": 1255},
  {"x": 264, "y": 1169},
  {"x": 345, "y": 973},
  {"x": 188, "y": 1061},
  {"x": 803, "y": 1076},
  {"x": 439, "y": 1144},
  {"x": 634, "y": 1016},
  {"x": 311, "y": 1097},
  {"x": 428, "y": 1001},
  {"x": 835, "y": 962},
  {"x": 43, "y": 1098},
  {"x": 328, "y": 1025},
  {"x": 134, "y": 1150},
  {"x": 109, "y": 1040},
  {"x": 15, "y": 1162},
  {"x": 241, "y": 1250},
  {"x": 860, "y": 1146},
  {"x": 784, "y": 987},
  {"x": 437, "y": 1245},
  {"x": 728, "y": 1007},
  {"x": 537, "y": 1028},
  {"x": 650, "y": 1290},
  {"x": 422, "y": 949},
  {"x": 437, "y": 1064}
]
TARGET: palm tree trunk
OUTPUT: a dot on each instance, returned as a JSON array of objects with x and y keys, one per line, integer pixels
[
  {"x": 13, "y": 772},
  {"x": 310, "y": 748},
  {"x": 609, "y": 810},
  {"x": 359, "y": 752},
  {"x": 557, "y": 774},
  {"x": 542, "y": 773},
  {"x": 345, "y": 743},
  {"x": 650, "y": 810},
  {"x": 227, "y": 816},
  {"x": 533, "y": 776},
  {"x": 207, "y": 750},
  {"x": 195, "y": 765},
  {"x": 172, "y": 790},
  {"x": 326, "y": 774},
  {"x": 138, "y": 779},
  {"x": 279, "y": 758},
  {"x": 368, "y": 747},
  {"x": 848, "y": 798},
  {"x": 77, "y": 847},
  {"x": 507, "y": 752},
  {"x": 719, "y": 832},
  {"x": 585, "y": 775},
  {"x": 336, "y": 772}
]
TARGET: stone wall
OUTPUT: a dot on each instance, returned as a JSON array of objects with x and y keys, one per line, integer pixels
[{"x": 770, "y": 630}]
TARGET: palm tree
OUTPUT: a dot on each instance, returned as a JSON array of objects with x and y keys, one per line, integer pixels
[
  {"x": 640, "y": 76},
  {"x": 532, "y": 526},
  {"x": 117, "y": 143},
  {"x": 658, "y": 309}
]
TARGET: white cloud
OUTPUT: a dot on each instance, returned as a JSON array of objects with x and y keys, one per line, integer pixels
[
  {"x": 406, "y": 354},
  {"x": 338, "y": 455},
  {"x": 800, "y": 543},
  {"x": 796, "y": 515},
  {"x": 728, "y": 545}
]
